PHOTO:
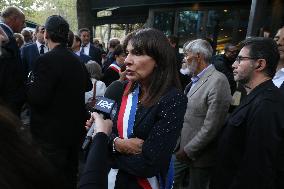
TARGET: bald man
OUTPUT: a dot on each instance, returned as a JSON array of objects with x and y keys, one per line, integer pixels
[{"x": 11, "y": 69}]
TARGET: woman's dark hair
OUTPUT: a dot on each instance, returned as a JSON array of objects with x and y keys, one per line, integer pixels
[
  {"x": 118, "y": 51},
  {"x": 21, "y": 164},
  {"x": 155, "y": 44}
]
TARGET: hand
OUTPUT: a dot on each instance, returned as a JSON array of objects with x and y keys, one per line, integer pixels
[
  {"x": 89, "y": 123},
  {"x": 122, "y": 75},
  {"x": 182, "y": 156},
  {"x": 130, "y": 146},
  {"x": 102, "y": 125}
]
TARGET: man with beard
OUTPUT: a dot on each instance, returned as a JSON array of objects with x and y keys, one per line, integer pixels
[
  {"x": 209, "y": 97},
  {"x": 250, "y": 152}
]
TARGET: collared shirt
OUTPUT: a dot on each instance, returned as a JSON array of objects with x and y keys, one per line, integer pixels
[
  {"x": 7, "y": 27},
  {"x": 38, "y": 44},
  {"x": 77, "y": 53},
  {"x": 278, "y": 78},
  {"x": 86, "y": 49},
  {"x": 194, "y": 79}
]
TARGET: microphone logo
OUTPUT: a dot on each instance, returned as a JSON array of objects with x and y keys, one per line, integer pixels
[{"x": 105, "y": 104}]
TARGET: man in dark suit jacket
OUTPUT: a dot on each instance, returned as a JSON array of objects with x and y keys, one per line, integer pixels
[
  {"x": 88, "y": 48},
  {"x": 250, "y": 152},
  {"x": 57, "y": 101},
  {"x": 32, "y": 51},
  {"x": 76, "y": 46},
  {"x": 12, "y": 89}
]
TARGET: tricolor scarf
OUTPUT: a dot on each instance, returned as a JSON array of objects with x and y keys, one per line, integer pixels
[
  {"x": 114, "y": 66},
  {"x": 125, "y": 124}
]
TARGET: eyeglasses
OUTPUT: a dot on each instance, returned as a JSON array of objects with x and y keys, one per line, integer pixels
[{"x": 240, "y": 58}]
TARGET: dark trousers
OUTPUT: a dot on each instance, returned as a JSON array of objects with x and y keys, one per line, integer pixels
[
  {"x": 188, "y": 177},
  {"x": 65, "y": 162}
]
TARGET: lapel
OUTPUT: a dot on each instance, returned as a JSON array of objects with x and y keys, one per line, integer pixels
[
  {"x": 35, "y": 49},
  {"x": 249, "y": 98},
  {"x": 201, "y": 81},
  {"x": 7, "y": 30}
]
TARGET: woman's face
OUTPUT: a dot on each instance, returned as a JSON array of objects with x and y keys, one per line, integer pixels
[
  {"x": 120, "y": 59},
  {"x": 138, "y": 67}
]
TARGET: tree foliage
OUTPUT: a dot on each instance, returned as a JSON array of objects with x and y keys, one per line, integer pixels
[{"x": 38, "y": 10}]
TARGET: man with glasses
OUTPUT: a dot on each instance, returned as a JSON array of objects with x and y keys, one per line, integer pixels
[{"x": 250, "y": 152}]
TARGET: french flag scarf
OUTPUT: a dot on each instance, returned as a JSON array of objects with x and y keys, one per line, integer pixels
[
  {"x": 114, "y": 66},
  {"x": 125, "y": 124}
]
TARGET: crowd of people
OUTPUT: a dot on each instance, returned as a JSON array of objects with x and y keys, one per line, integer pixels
[{"x": 192, "y": 121}]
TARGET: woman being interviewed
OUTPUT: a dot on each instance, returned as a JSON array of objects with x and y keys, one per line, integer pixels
[{"x": 150, "y": 117}]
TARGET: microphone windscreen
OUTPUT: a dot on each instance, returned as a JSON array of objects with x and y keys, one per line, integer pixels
[{"x": 115, "y": 91}]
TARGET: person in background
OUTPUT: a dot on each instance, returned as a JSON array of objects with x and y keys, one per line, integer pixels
[
  {"x": 19, "y": 39},
  {"x": 76, "y": 49},
  {"x": 27, "y": 36},
  {"x": 112, "y": 73},
  {"x": 109, "y": 56},
  {"x": 209, "y": 98},
  {"x": 95, "y": 72},
  {"x": 250, "y": 152},
  {"x": 88, "y": 48},
  {"x": 56, "y": 98},
  {"x": 278, "y": 79},
  {"x": 223, "y": 63},
  {"x": 31, "y": 52},
  {"x": 184, "y": 78},
  {"x": 12, "y": 87}
]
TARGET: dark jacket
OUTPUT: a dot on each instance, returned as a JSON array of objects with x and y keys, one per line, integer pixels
[
  {"x": 96, "y": 54},
  {"x": 250, "y": 153},
  {"x": 224, "y": 65},
  {"x": 159, "y": 126},
  {"x": 56, "y": 98},
  {"x": 12, "y": 88},
  {"x": 96, "y": 168},
  {"x": 29, "y": 54}
]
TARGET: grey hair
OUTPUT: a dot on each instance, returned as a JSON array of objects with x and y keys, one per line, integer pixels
[
  {"x": 199, "y": 46},
  {"x": 94, "y": 69}
]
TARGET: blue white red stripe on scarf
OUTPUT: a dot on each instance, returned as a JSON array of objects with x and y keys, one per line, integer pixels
[
  {"x": 125, "y": 124},
  {"x": 114, "y": 66}
]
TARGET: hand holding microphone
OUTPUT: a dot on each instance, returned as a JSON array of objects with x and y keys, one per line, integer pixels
[{"x": 102, "y": 125}]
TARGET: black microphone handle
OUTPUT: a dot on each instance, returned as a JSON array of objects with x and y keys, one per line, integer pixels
[{"x": 88, "y": 138}]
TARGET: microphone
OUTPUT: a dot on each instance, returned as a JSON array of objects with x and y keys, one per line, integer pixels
[{"x": 107, "y": 106}]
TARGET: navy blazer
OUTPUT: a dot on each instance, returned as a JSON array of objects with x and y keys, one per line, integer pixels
[
  {"x": 29, "y": 55},
  {"x": 96, "y": 54},
  {"x": 12, "y": 88}
]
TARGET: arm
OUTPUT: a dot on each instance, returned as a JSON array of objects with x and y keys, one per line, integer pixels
[
  {"x": 218, "y": 101},
  {"x": 158, "y": 147},
  {"x": 264, "y": 140},
  {"x": 96, "y": 168}
]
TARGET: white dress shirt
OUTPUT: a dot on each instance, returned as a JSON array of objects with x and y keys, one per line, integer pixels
[
  {"x": 86, "y": 49},
  {"x": 278, "y": 78},
  {"x": 38, "y": 44}
]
